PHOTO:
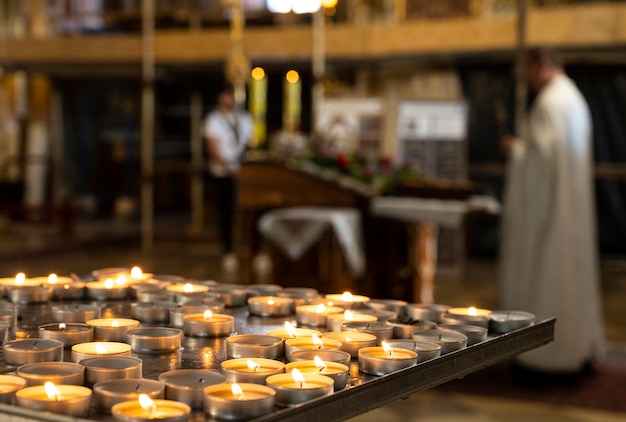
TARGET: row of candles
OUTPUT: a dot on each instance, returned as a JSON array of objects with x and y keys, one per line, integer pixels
[{"x": 384, "y": 336}]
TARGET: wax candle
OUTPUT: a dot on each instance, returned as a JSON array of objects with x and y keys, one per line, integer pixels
[
  {"x": 254, "y": 346},
  {"x": 32, "y": 350},
  {"x": 25, "y": 295},
  {"x": 8, "y": 314},
  {"x": 339, "y": 372},
  {"x": 187, "y": 385},
  {"x": 471, "y": 316},
  {"x": 75, "y": 313},
  {"x": 146, "y": 409},
  {"x": 426, "y": 350},
  {"x": 295, "y": 388},
  {"x": 208, "y": 324},
  {"x": 154, "y": 339},
  {"x": 385, "y": 359},
  {"x": 397, "y": 306},
  {"x": 152, "y": 311},
  {"x": 347, "y": 300},
  {"x": 292, "y": 332},
  {"x": 251, "y": 370},
  {"x": 9, "y": 384},
  {"x": 262, "y": 289},
  {"x": 351, "y": 342},
  {"x": 449, "y": 340},
  {"x": 108, "y": 289},
  {"x": 67, "y": 373},
  {"x": 65, "y": 288},
  {"x": 507, "y": 321},
  {"x": 381, "y": 330},
  {"x": 107, "y": 368},
  {"x": 187, "y": 289},
  {"x": 112, "y": 329},
  {"x": 327, "y": 355},
  {"x": 313, "y": 342},
  {"x": 300, "y": 295},
  {"x": 71, "y": 400},
  {"x": 403, "y": 328},
  {"x": 334, "y": 321},
  {"x": 474, "y": 333},
  {"x": 232, "y": 297},
  {"x": 430, "y": 312},
  {"x": 70, "y": 333},
  {"x": 238, "y": 401},
  {"x": 106, "y": 394},
  {"x": 270, "y": 306},
  {"x": 178, "y": 313},
  {"x": 101, "y": 348},
  {"x": 315, "y": 315}
]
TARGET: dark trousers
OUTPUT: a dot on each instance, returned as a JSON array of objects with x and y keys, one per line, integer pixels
[{"x": 226, "y": 192}]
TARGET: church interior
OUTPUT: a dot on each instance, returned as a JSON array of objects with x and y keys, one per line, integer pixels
[{"x": 375, "y": 166}]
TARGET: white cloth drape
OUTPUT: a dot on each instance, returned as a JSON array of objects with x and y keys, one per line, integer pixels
[{"x": 548, "y": 256}]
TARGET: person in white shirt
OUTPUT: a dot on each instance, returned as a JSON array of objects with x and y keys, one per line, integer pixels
[
  {"x": 227, "y": 132},
  {"x": 549, "y": 256}
]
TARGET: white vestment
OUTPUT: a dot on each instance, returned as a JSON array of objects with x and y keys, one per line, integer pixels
[{"x": 549, "y": 263}]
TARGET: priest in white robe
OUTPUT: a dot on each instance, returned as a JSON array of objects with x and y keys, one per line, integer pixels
[{"x": 549, "y": 261}]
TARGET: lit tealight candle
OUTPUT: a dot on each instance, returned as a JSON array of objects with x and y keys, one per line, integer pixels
[
  {"x": 347, "y": 300},
  {"x": 471, "y": 316},
  {"x": 239, "y": 401},
  {"x": 112, "y": 329},
  {"x": 108, "y": 289},
  {"x": 106, "y": 348},
  {"x": 270, "y": 306},
  {"x": 146, "y": 409},
  {"x": 178, "y": 313},
  {"x": 187, "y": 291},
  {"x": 313, "y": 342},
  {"x": 351, "y": 342},
  {"x": 339, "y": 372},
  {"x": 71, "y": 400},
  {"x": 65, "y": 288},
  {"x": 385, "y": 359},
  {"x": 334, "y": 321},
  {"x": 315, "y": 315},
  {"x": 292, "y": 332},
  {"x": 208, "y": 324},
  {"x": 381, "y": 330},
  {"x": 9, "y": 384},
  {"x": 296, "y": 387},
  {"x": 251, "y": 370}
]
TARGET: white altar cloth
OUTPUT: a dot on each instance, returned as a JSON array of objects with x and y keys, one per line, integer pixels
[{"x": 296, "y": 229}]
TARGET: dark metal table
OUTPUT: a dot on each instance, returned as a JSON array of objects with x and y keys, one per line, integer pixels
[{"x": 364, "y": 393}]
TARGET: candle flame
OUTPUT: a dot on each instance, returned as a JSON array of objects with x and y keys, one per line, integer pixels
[
  {"x": 188, "y": 288},
  {"x": 66, "y": 286},
  {"x": 297, "y": 376},
  {"x": 348, "y": 339},
  {"x": 348, "y": 316},
  {"x": 237, "y": 391},
  {"x": 253, "y": 365},
  {"x": 20, "y": 278},
  {"x": 319, "y": 363},
  {"x": 270, "y": 302},
  {"x": 147, "y": 404},
  {"x": 472, "y": 311},
  {"x": 62, "y": 326},
  {"x": 120, "y": 280},
  {"x": 52, "y": 278},
  {"x": 108, "y": 283},
  {"x": 52, "y": 391},
  {"x": 320, "y": 308},
  {"x": 100, "y": 349},
  {"x": 136, "y": 273},
  {"x": 387, "y": 348},
  {"x": 291, "y": 330},
  {"x": 316, "y": 341},
  {"x": 346, "y": 297},
  {"x": 115, "y": 323},
  {"x": 208, "y": 315}
]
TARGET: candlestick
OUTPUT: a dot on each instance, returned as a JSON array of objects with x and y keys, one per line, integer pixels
[
  {"x": 474, "y": 333},
  {"x": 208, "y": 324},
  {"x": 270, "y": 306},
  {"x": 334, "y": 321},
  {"x": 254, "y": 346},
  {"x": 351, "y": 341},
  {"x": 448, "y": 340},
  {"x": 154, "y": 339},
  {"x": 385, "y": 360},
  {"x": 32, "y": 350},
  {"x": 112, "y": 329},
  {"x": 178, "y": 313},
  {"x": 339, "y": 372},
  {"x": 66, "y": 373},
  {"x": 75, "y": 313},
  {"x": 70, "y": 333},
  {"x": 106, "y": 394},
  {"x": 187, "y": 385},
  {"x": 9, "y": 384},
  {"x": 152, "y": 311},
  {"x": 429, "y": 312},
  {"x": 315, "y": 315},
  {"x": 144, "y": 409},
  {"x": 251, "y": 370},
  {"x": 381, "y": 330},
  {"x": 71, "y": 400},
  {"x": 295, "y": 388},
  {"x": 238, "y": 401},
  {"x": 107, "y": 368},
  {"x": 101, "y": 348},
  {"x": 507, "y": 321}
]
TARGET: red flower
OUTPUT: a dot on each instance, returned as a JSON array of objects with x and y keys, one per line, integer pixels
[{"x": 342, "y": 161}]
